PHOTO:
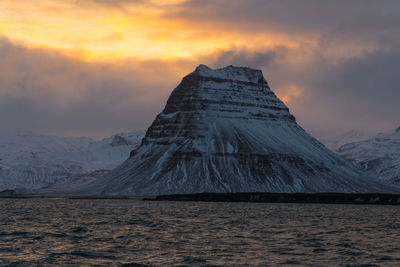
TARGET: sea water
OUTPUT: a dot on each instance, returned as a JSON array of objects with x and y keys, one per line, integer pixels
[{"x": 73, "y": 232}]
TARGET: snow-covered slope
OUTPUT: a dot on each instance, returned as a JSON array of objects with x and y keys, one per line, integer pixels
[
  {"x": 224, "y": 130},
  {"x": 379, "y": 156},
  {"x": 30, "y": 161},
  {"x": 335, "y": 139}
]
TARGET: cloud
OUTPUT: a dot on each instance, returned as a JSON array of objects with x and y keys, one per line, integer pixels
[
  {"x": 242, "y": 57},
  {"x": 340, "y": 71},
  {"x": 44, "y": 91},
  {"x": 361, "y": 92},
  {"x": 291, "y": 16}
]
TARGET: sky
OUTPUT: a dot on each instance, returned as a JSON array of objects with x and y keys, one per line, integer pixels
[{"x": 99, "y": 67}]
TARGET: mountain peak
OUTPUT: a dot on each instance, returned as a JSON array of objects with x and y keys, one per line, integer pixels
[
  {"x": 231, "y": 72},
  {"x": 224, "y": 130}
]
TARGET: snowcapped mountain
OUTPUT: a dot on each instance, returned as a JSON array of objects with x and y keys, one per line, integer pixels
[
  {"x": 30, "y": 161},
  {"x": 335, "y": 139},
  {"x": 224, "y": 130},
  {"x": 379, "y": 156}
]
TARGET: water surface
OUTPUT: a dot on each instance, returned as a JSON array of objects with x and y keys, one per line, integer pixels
[{"x": 69, "y": 232}]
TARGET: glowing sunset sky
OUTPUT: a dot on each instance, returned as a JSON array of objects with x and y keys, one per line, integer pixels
[{"x": 97, "y": 67}]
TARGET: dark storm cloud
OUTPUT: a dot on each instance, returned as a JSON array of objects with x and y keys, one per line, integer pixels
[
  {"x": 295, "y": 15},
  {"x": 44, "y": 91},
  {"x": 241, "y": 57},
  {"x": 361, "y": 90}
]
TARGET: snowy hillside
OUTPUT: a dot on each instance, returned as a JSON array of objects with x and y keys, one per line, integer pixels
[
  {"x": 224, "y": 130},
  {"x": 30, "y": 161},
  {"x": 379, "y": 156},
  {"x": 335, "y": 139}
]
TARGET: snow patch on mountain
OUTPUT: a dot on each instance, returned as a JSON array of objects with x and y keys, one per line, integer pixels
[
  {"x": 378, "y": 156},
  {"x": 334, "y": 139}
]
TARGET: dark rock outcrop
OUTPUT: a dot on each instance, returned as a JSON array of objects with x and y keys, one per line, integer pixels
[{"x": 119, "y": 141}]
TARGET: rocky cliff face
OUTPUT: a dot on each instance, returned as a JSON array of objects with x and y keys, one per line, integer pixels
[{"x": 224, "y": 130}]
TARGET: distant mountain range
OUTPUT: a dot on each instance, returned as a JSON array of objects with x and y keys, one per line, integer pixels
[
  {"x": 334, "y": 139},
  {"x": 378, "y": 156},
  {"x": 31, "y": 161}
]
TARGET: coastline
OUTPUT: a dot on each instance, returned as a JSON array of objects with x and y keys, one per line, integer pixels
[
  {"x": 251, "y": 197},
  {"x": 262, "y": 197}
]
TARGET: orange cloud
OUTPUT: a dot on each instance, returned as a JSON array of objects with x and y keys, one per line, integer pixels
[
  {"x": 140, "y": 29},
  {"x": 289, "y": 93}
]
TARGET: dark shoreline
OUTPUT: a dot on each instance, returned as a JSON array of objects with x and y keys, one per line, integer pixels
[
  {"x": 67, "y": 197},
  {"x": 260, "y": 197},
  {"x": 251, "y": 197}
]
